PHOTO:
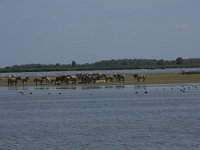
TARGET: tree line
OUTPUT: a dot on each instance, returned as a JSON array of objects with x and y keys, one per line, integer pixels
[{"x": 107, "y": 65}]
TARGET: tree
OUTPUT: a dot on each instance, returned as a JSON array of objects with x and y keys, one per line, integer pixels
[
  {"x": 57, "y": 64},
  {"x": 160, "y": 62},
  {"x": 179, "y": 61},
  {"x": 73, "y": 63}
]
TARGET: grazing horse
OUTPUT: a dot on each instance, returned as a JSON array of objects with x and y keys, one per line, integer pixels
[
  {"x": 60, "y": 78},
  {"x": 139, "y": 77},
  {"x": 67, "y": 80},
  {"x": 2, "y": 79},
  {"x": 13, "y": 80},
  {"x": 24, "y": 80},
  {"x": 73, "y": 79},
  {"x": 109, "y": 77},
  {"x": 119, "y": 77},
  {"x": 47, "y": 79},
  {"x": 36, "y": 80}
]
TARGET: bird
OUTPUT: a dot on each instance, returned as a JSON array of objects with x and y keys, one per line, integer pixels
[{"x": 21, "y": 93}]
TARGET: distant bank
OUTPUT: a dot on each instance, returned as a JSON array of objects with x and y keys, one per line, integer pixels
[{"x": 119, "y": 64}]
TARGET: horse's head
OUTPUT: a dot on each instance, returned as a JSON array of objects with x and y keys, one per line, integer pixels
[{"x": 135, "y": 75}]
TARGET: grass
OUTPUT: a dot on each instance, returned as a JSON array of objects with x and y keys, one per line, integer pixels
[{"x": 155, "y": 78}]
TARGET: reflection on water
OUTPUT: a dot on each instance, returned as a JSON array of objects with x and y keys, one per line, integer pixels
[
  {"x": 42, "y": 88},
  {"x": 103, "y": 117},
  {"x": 71, "y": 88},
  {"x": 13, "y": 87},
  {"x": 120, "y": 86},
  {"x": 140, "y": 86}
]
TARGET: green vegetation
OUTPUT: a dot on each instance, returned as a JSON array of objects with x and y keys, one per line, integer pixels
[{"x": 107, "y": 65}]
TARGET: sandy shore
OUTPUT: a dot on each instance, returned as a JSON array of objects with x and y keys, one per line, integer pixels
[{"x": 129, "y": 80}]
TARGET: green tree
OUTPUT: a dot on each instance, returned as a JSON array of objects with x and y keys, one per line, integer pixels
[
  {"x": 160, "y": 62},
  {"x": 179, "y": 61},
  {"x": 73, "y": 63}
]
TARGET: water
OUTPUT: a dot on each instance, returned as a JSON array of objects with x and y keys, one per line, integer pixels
[
  {"x": 152, "y": 117},
  {"x": 56, "y": 73}
]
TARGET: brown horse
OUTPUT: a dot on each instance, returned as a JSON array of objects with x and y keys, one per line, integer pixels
[
  {"x": 47, "y": 79},
  {"x": 109, "y": 77},
  {"x": 73, "y": 79},
  {"x": 24, "y": 80},
  {"x": 60, "y": 78},
  {"x": 139, "y": 77},
  {"x": 36, "y": 80},
  {"x": 13, "y": 81},
  {"x": 2, "y": 79},
  {"x": 119, "y": 77}
]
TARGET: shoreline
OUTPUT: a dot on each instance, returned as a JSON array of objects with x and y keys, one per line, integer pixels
[{"x": 153, "y": 78}]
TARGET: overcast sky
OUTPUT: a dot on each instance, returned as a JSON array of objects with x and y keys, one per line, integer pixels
[{"x": 59, "y": 31}]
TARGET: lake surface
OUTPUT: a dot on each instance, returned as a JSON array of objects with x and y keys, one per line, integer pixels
[
  {"x": 56, "y": 73},
  {"x": 151, "y": 117}
]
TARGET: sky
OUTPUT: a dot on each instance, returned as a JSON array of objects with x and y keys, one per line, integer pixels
[{"x": 86, "y": 31}]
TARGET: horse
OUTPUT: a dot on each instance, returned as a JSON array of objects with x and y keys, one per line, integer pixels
[
  {"x": 119, "y": 77},
  {"x": 36, "y": 80},
  {"x": 47, "y": 79},
  {"x": 13, "y": 81},
  {"x": 109, "y": 77},
  {"x": 73, "y": 79},
  {"x": 2, "y": 79},
  {"x": 60, "y": 78},
  {"x": 139, "y": 77},
  {"x": 67, "y": 80},
  {"x": 24, "y": 80}
]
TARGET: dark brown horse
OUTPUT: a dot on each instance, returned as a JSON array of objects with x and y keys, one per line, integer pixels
[
  {"x": 13, "y": 80},
  {"x": 109, "y": 77},
  {"x": 139, "y": 77},
  {"x": 60, "y": 78},
  {"x": 47, "y": 79},
  {"x": 73, "y": 79},
  {"x": 36, "y": 80},
  {"x": 119, "y": 77}
]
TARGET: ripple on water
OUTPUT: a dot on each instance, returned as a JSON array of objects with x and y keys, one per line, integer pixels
[{"x": 101, "y": 118}]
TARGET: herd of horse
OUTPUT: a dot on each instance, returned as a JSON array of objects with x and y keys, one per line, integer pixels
[{"x": 88, "y": 78}]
